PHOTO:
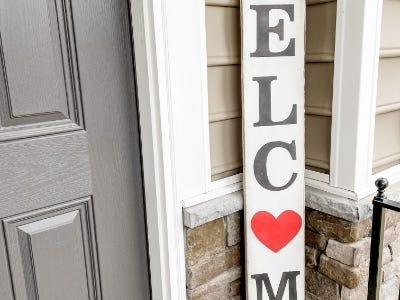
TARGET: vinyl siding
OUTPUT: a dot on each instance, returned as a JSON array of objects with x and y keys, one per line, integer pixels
[
  {"x": 320, "y": 47},
  {"x": 224, "y": 87},
  {"x": 387, "y": 121}
]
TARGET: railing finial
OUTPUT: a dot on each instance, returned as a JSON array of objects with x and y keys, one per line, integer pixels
[{"x": 381, "y": 184}]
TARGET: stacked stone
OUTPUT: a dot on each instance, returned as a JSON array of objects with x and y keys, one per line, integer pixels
[
  {"x": 337, "y": 253},
  {"x": 213, "y": 259},
  {"x": 337, "y": 257}
]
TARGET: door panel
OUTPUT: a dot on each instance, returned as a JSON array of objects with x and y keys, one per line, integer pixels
[
  {"x": 36, "y": 172},
  {"x": 71, "y": 198},
  {"x": 39, "y": 62},
  {"x": 53, "y": 252}
]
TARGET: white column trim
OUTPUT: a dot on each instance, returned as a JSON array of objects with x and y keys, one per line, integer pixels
[
  {"x": 354, "y": 98},
  {"x": 185, "y": 29},
  {"x": 164, "y": 210}
]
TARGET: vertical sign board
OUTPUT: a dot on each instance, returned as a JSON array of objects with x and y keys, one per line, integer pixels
[{"x": 273, "y": 114}]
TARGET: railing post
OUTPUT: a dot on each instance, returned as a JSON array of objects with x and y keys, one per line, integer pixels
[{"x": 378, "y": 229}]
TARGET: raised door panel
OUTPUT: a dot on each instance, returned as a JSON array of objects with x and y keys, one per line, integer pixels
[
  {"x": 52, "y": 253},
  {"x": 44, "y": 156},
  {"x": 39, "y": 72}
]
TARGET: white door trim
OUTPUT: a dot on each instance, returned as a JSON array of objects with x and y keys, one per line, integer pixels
[{"x": 164, "y": 210}]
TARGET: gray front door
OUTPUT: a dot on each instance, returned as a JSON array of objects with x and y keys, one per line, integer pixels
[{"x": 71, "y": 199}]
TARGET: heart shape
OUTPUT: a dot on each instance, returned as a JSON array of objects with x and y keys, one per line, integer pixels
[{"x": 276, "y": 233}]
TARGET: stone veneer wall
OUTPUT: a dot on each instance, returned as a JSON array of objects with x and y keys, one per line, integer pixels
[
  {"x": 214, "y": 259},
  {"x": 337, "y": 257}
]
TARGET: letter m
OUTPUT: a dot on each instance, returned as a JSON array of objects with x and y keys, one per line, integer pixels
[{"x": 286, "y": 277}]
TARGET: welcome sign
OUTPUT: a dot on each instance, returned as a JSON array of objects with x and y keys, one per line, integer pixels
[{"x": 273, "y": 118}]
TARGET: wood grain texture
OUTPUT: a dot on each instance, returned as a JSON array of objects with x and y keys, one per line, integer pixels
[
  {"x": 108, "y": 93},
  {"x": 273, "y": 127},
  {"x": 50, "y": 160},
  {"x": 39, "y": 79},
  {"x": 43, "y": 171}
]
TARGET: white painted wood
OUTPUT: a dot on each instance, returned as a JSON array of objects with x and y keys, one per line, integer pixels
[
  {"x": 164, "y": 211},
  {"x": 224, "y": 190},
  {"x": 392, "y": 174},
  {"x": 274, "y": 210},
  {"x": 318, "y": 182},
  {"x": 354, "y": 97},
  {"x": 325, "y": 186},
  {"x": 224, "y": 182},
  {"x": 187, "y": 84},
  {"x": 316, "y": 176}
]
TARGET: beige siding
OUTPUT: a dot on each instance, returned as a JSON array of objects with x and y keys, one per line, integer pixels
[
  {"x": 224, "y": 86},
  {"x": 320, "y": 47},
  {"x": 387, "y": 140},
  {"x": 319, "y": 88},
  {"x": 224, "y": 92},
  {"x": 318, "y": 135},
  {"x": 320, "y": 31},
  {"x": 226, "y": 135},
  {"x": 388, "y": 95},
  {"x": 387, "y": 121},
  {"x": 223, "y": 35},
  {"x": 390, "y": 37}
]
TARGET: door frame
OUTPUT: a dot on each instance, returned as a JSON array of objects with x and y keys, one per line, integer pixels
[{"x": 163, "y": 207}]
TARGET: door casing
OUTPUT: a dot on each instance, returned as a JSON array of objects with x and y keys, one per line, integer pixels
[{"x": 163, "y": 207}]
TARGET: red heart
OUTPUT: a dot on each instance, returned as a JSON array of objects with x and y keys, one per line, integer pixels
[{"x": 276, "y": 233}]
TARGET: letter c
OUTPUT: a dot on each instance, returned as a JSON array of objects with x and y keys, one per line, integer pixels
[{"x": 260, "y": 164}]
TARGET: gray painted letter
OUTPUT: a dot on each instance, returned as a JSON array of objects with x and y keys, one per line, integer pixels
[
  {"x": 260, "y": 164},
  {"x": 264, "y": 104},
  {"x": 286, "y": 277},
  {"x": 264, "y": 29}
]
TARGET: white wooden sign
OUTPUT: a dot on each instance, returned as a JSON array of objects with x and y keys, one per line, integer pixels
[{"x": 273, "y": 114}]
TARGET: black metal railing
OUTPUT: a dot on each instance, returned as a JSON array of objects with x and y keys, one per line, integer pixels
[{"x": 380, "y": 202}]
